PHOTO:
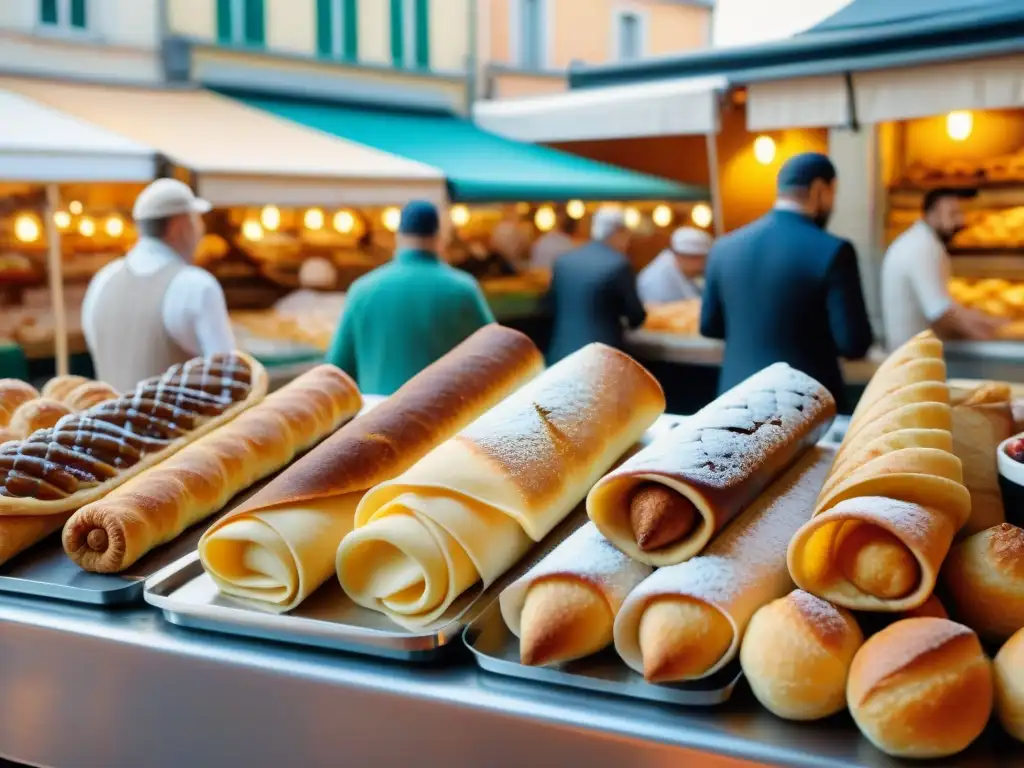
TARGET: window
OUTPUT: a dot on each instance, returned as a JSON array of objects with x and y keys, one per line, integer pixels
[
  {"x": 337, "y": 27},
  {"x": 241, "y": 22},
  {"x": 630, "y": 33},
  {"x": 530, "y": 26},
  {"x": 410, "y": 33},
  {"x": 64, "y": 14}
]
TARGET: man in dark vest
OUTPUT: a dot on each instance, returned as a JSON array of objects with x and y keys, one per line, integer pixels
[{"x": 782, "y": 289}]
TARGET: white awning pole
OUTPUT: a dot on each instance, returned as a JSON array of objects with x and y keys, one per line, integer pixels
[
  {"x": 55, "y": 268},
  {"x": 711, "y": 140}
]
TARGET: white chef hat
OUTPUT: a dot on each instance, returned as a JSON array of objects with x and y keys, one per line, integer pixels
[
  {"x": 606, "y": 222},
  {"x": 691, "y": 241},
  {"x": 318, "y": 272}
]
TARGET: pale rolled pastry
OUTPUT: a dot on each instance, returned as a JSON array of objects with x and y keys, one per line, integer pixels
[
  {"x": 111, "y": 534},
  {"x": 912, "y": 363},
  {"x": 984, "y": 577},
  {"x": 277, "y": 548},
  {"x": 686, "y": 621},
  {"x": 796, "y": 655},
  {"x": 921, "y": 688},
  {"x": 1008, "y": 670},
  {"x": 474, "y": 506},
  {"x": 665, "y": 504},
  {"x": 564, "y": 607}
]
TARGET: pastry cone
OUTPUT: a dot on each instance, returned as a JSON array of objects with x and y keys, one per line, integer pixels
[
  {"x": 564, "y": 607},
  {"x": 686, "y": 621},
  {"x": 665, "y": 504},
  {"x": 111, "y": 534},
  {"x": 279, "y": 546},
  {"x": 475, "y": 505},
  {"x": 984, "y": 577},
  {"x": 922, "y": 392},
  {"x": 919, "y": 360},
  {"x": 926, "y": 416},
  {"x": 19, "y": 533}
]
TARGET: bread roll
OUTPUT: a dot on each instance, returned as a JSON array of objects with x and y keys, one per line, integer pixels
[
  {"x": 41, "y": 413},
  {"x": 921, "y": 688},
  {"x": 89, "y": 394},
  {"x": 60, "y": 387},
  {"x": 14, "y": 392},
  {"x": 796, "y": 655},
  {"x": 1009, "y": 681},
  {"x": 984, "y": 575}
]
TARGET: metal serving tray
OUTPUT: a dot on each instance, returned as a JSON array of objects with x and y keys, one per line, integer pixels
[{"x": 496, "y": 650}]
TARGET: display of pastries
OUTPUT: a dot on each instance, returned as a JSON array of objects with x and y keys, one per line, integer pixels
[{"x": 679, "y": 317}]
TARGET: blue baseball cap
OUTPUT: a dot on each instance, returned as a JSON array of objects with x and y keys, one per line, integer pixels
[
  {"x": 420, "y": 219},
  {"x": 802, "y": 170}
]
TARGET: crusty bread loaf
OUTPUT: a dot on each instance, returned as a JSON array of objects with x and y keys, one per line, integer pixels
[
  {"x": 111, "y": 534},
  {"x": 921, "y": 688},
  {"x": 796, "y": 655},
  {"x": 14, "y": 392},
  {"x": 984, "y": 575},
  {"x": 1009, "y": 680}
]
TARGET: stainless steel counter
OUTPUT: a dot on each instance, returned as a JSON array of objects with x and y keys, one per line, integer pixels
[{"x": 80, "y": 688}]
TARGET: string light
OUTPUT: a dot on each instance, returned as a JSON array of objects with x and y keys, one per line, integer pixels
[
  {"x": 959, "y": 125},
  {"x": 75, "y": 207},
  {"x": 270, "y": 218},
  {"x": 701, "y": 215},
  {"x": 545, "y": 218},
  {"x": 344, "y": 222},
  {"x": 251, "y": 230},
  {"x": 460, "y": 215},
  {"x": 662, "y": 216},
  {"x": 764, "y": 149},
  {"x": 576, "y": 209},
  {"x": 114, "y": 226},
  {"x": 62, "y": 219},
  {"x": 391, "y": 218},
  {"x": 86, "y": 227},
  {"x": 313, "y": 219},
  {"x": 632, "y": 217},
  {"x": 26, "y": 228}
]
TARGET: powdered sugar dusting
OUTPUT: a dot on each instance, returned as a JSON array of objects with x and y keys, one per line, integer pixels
[
  {"x": 824, "y": 618},
  {"x": 912, "y": 523}
]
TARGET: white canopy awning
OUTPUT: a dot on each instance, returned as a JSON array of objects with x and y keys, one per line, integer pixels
[
  {"x": 686, "y": 106},
  {"x": 803, "y": 102},
  {"x": 41, "y": 144}
]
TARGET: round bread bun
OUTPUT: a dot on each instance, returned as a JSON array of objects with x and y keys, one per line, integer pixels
[
  {"x": 60, "y": 387},
  {"x": 984, "y": 576},
  {"x": 1008, "y": 670},
  {"x": 14, "y": 392},
  {"x": 41, "y": 413},
  {"x": 89, "y": 394},
  {"x": 8, "y": 435},
  {"x": 921, "y": 688},
  {"x": 796, "y": 654},
  {"x": 932, "y": 607}
]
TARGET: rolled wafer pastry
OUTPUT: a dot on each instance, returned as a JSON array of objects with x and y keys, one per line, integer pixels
[
  {"x": 919, "y": 360},
  {"x": 564, "y": 607},
  {"x": 686, "y": 621},
  {"x": 665, "y": 504},
  {"x": 277, "y": 548},
  {"x": 475, "y": 505},
  {"x": 111, "y": 534},
  {"x": 984, "y": 578}
]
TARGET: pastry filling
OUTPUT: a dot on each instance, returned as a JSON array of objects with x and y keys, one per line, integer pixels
[{"x": 660, "y": 517}]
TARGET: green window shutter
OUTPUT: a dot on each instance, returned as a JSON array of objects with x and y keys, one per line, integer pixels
[
  {"x": 324, "y": 27},
  {"x": 397, "y": 39},
  {"x": 78, "y": 17},
  {"x": 224, "y": 21},
  {"x": 350, "y": 25},
  {"x": 48, "y": 11},
  {"x": 423, "y": 34},
  {"x": 255, "y": 22}
]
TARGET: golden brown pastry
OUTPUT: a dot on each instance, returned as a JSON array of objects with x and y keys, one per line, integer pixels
[
  {"x": 921, "y": 688},
  {"x": 663, "y": 505},
  {"x": 90, "y": 393},
  {"x": 18, "y": 533},
  {"x": 982, "y": 419},
  {"x": 8, "y": 435},
  {"x": 14, "y": 393},
  {"x": 797, "y": 653},
  {"x": 41, "y": 413},
  {"x": 111, "y": 534},
  {"x": 984, "y": 576},
  {"x": 60, "y": 387},
  {"x": 1008, "y": 671}
]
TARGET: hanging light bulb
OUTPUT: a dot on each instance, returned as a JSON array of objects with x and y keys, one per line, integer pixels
[
  {"x": 86, "y": 227},
  {"x": 75, "y": 207},
  {"x": 545, "y": 218},
  {"x": 114, "y": 226},
  {"x": 344, "y": 222},
  {"x": 251, "y": 230},
  {"x": 62, "y": 219},
  {"x": 270, "y": 218},
  {"x": 576, "y": 209},
  {"x": 26, "y": 228},
  {"x": 662, "y": 216},
  {"x": 701, "y": 215},
  {"x": 460, "y": 215},
  {"x": 391, "y": 218},
  {"x": 632, "y": 217},
  {"x": 313, "y": 219},
  {"x": 764, "y": 149},
  {"x": 959, "y": 125}
]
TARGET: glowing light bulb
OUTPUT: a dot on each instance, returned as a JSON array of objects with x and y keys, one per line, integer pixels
[
  {"x": 391, "y": 218},
  {"x": 270, "y": 218},
  {"x": 62, "y": 219},
  {"x": 632, "y": 217},
  {"x": 344, "y": 222},
  {"x": 86, "y": 227},
  {"x": 701, "y": 215},
  {"x": 75, "y": 207},
  {"x": 545, "y": 218},
  {"x": 313, "y": 219},
  {"x": 764, "y": 149},
  {"x": 460, "y": 215},
  {"x": 662, "y": 216},
  {"x": 959, "y": 125},
  {"x": 26, "y": 228},
  {"x": 114, "y": 226},
  {"x": 251, "y": 230},
  {"x": 576, "y": 209}
]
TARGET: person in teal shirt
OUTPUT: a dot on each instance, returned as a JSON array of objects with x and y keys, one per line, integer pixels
[{"x": 402, "y": 316}]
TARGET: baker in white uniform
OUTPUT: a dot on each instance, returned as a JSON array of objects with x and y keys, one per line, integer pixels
[
  {"x": 915, "y": 277},
  {"x": 154, "y": 308},
  {"x": 673, "y": 274}
]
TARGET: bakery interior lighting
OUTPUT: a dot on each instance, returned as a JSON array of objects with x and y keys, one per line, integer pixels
[
  {"x": 460, "y": 215},
  {"x": 75, "y": 206},
  {"x": 251, "y": 230},
  {"x": 764, "y": 149},
  {"x": 576, "y": 209},
  {"x": 959, "y": 125},
  {"x": 545, "y": 218},
  {"x": 632, "y": 217},
  {"x": 391, "y": 218},
  {"x": 62, "y": 219},
  {"x": 344, "y": 222},
  {"x": 86, "y": 227},
  {"x": 313, "y": 219},
  {"x": 662, "y": 216},
  {"x": 114, "y": 226},
  {"x": 270, "y": 218},
  {"x": 701, "y": 215},
  {"x": 26, "y": 228}
]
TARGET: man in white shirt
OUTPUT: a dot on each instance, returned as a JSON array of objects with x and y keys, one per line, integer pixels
[
  {"x": 672, "y": 274},
  {"x": 153, "y": 308},
  {"x": 915, "y": 277},
  {"x": 553, "y": 244}
]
